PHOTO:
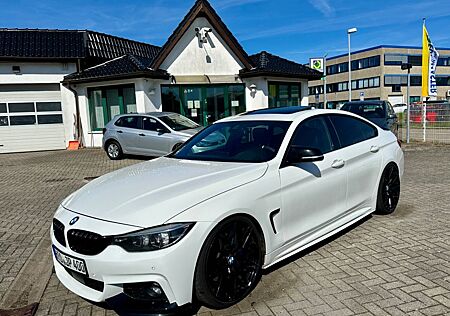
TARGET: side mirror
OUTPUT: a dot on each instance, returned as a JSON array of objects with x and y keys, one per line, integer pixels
[
  {"x": 298, "y": 154},
  {"x": 162, "y": 131},
  {"x": 392, "y": 116}
]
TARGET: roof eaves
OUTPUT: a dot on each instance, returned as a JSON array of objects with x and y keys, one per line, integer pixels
[{"x": 133, "y": 75}]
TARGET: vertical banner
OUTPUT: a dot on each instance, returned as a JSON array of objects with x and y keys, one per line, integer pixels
[{"x": 429, "y": 62}]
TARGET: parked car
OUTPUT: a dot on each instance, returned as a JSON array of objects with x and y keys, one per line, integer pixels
[
  {"x": 379, "y": 112},
  {"x": 203, "y": 224},
  {"x": 400, "y": 108},
  {"x": 437, "y": 111},
  {"x": 151, "y": 134}
]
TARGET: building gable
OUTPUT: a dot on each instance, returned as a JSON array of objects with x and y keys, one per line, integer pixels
[{"x": 202, "y": 12}]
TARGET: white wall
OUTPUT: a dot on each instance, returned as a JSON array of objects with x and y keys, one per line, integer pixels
[
  {"x": 260, "y": 99},
  {"x": 148, "y": 99},
  {"x": 35, "y": 72},
  {"x": 190, "y": 58}
]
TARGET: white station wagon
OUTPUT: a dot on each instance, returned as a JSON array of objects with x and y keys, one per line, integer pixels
[{"x": 201, "y": 223}]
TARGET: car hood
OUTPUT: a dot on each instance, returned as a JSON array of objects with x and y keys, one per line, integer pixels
[
  {"x": 190, "y": 132},
  {"x": 150, "y": 193}
]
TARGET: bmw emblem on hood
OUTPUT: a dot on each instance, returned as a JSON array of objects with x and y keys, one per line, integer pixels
[{"x": 74, "y": 220}]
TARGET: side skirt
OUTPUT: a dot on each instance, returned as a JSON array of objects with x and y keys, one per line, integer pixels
[{"x": 319, "y": 236}]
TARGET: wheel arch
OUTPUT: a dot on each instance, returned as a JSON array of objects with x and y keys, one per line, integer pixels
[
  {"x": 109, "y": 140},
  {"x": 226, "y": 218}
]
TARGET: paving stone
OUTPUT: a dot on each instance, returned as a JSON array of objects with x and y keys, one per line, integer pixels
[{"x": 385, "y": 265}]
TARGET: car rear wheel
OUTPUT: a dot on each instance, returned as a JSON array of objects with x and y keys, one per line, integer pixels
[
  {"x": 230, "y": 263},
  {"x": 113, "y": 150},
  {"x": 388, "y": 190}
]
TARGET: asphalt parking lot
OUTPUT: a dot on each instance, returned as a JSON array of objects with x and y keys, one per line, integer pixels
[{"x": 385, "y": 265}]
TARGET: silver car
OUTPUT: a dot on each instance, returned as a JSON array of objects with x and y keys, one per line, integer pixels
[{"x": 150, "y": 134}]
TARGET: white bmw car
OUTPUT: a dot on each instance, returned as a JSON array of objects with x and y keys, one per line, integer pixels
[{"x": 200, "y": 225}]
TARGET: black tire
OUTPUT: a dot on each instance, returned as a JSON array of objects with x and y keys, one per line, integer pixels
[
  {"x": 230, "y": 263},
  {"x": 113, "y": 150},
  {"x": 388, "y": 190}
]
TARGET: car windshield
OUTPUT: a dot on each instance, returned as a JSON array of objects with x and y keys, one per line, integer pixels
[
  {"x": 235, "y": 141},
  {"x": 368, "y": 110},
  {"x": 178, "y": 122}
]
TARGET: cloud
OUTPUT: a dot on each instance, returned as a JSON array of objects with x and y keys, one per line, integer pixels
[
  {"x": 367, "y": 20},
  {"x": 225, "y": 4},
  {"x": 323, "y": 6}
]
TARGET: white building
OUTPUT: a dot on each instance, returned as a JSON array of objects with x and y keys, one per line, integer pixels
[{"x": 58, "y": 78}]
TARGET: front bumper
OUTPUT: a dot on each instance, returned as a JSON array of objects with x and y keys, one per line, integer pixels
[{"x": 171, "y": 268}]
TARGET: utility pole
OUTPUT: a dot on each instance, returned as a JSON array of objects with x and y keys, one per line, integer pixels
[
  {"x": 407, "y": 66},
  {"x": 325, "y": 101}
]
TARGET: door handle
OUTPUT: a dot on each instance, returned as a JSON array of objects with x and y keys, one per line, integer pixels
[
  {"x": 374, "y": 149},
  {"x": 339, "y": 163},
  {"x": 141, "y": 134},
  {"x": 120, "y": 132}
]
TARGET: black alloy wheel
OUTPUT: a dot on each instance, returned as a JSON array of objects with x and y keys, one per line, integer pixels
[
  {"x": 389, "y": 190},
  {"x": 230, "y": 263}
]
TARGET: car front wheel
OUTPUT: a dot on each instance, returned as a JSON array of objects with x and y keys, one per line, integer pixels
[
  {"x": 388, "y": 190},
  {"x": 230, "y": 263},
  {"x": 113, "y": 150}
]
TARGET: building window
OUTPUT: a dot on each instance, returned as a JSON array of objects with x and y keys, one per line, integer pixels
[
  {"x": 444, "y": 61},
  {"x": 283, "y": 94},
  {"x": 107, "y": 102},
  {"x": 365, "y": 83},
  {"x": 30, "y": 113},
  {"x": 204, "y": 104},
  {"x": 363, "y": 63},
  {"x": 395, "y": 59},
  {"x": 402, "y": 80}
]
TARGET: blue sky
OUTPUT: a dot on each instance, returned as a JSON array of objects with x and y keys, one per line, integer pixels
[{"x": 294, "y": 29}]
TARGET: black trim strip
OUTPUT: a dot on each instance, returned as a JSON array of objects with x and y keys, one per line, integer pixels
[{"x": 271, "y": 216}]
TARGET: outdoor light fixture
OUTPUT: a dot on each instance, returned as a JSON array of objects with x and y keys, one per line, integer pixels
[
  {"x": 352, "y": 30},
  {"x": 253, "y": 89}
]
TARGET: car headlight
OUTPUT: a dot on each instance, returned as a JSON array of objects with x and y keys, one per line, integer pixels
[{"x": 153, "y": 238}]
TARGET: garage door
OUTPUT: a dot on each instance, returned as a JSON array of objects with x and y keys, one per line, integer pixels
[{"x": 31, "y": 126}]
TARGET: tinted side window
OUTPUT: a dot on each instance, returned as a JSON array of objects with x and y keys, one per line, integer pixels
[
  {"x": 130, "y": 122},
  {"x": 351, "y": 130},
  {"x": 313, "y": 133},
  {"x": 390, "y": 109},
  {"x": 151, "y": 124},
  {"x": 119, "y": 122}
]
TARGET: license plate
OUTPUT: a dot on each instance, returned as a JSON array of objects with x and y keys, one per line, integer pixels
[{"x": 70, "y": 262}]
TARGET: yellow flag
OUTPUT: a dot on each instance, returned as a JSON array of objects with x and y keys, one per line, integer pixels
[
  {"x": 429, "y": 62},
  {"x": 425, "y": 61}
]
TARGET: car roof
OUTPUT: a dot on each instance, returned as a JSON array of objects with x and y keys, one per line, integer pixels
[
  {"x": 282, "y": 110},
  {"x": 155, "y": 114},
  {"x": 267, "y": 116},
  {"x": 364, "y": 102}
]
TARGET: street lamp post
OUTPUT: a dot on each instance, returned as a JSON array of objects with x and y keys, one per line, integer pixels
[
  {"x": 408, "y": 67},
  {"x": 325, "y": 81},
  {"x": 350, "y": 31}
]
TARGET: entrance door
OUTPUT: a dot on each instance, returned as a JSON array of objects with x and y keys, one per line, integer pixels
[
  {"x": 204, "y": 104},
  {"x": 215, "y": 104},
  {"x": 193, "y": 105}
]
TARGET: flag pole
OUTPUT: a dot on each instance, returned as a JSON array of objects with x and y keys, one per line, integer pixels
[{"x": 424, "y": 97}]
